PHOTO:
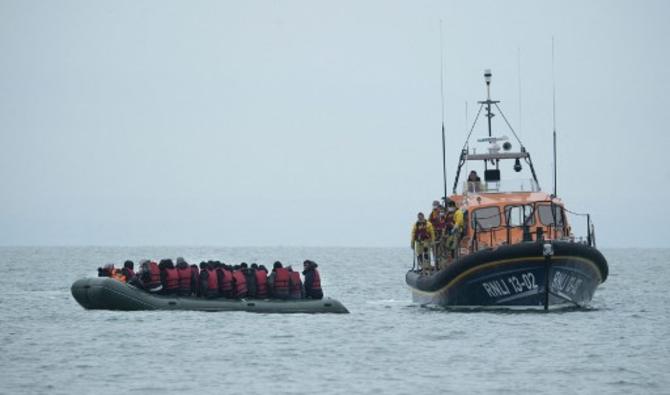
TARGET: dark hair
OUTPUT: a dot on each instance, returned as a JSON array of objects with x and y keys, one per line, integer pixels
[
  {"x": 243, "y": 265},
  {"x": 129, "y": 264},
  {"x": 277, "y": 265}
]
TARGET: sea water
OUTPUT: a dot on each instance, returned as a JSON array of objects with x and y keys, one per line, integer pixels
[{"x": 388, "y": 345}]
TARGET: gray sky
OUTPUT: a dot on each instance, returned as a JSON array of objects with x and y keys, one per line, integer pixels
[{"x": 315, "y": 123}]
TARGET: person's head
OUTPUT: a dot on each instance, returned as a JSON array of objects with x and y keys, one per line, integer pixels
[
  {"x": 436, "y": 204},
  {"x": 203, "y": 265},
  {"x": 421, "y": 217},
  {"x": 254, "y": 266},
  {"x": 277, "y": 265},
  {"x": 181, "y": 260},
  {"x": 144, "y": 264},
  {"x": 289, "y": 268},
  {"x": 128, "y": 264},
  {"x": 244, "y": 265},
  {"x": 263, "y": 268},
  {"x": 473, "y": 176}
]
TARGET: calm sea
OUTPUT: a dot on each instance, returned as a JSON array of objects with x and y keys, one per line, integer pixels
[{"x": 387, "y": 345}]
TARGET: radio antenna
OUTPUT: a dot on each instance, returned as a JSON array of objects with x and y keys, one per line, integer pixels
[
  {"x": 553, "y": 83},
  {"x": 519, "y": 72},
  {"x": 444, "y": 152}
]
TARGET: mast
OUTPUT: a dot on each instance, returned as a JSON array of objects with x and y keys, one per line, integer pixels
[
  {"x": 553, "y": 83},
  {"x": 489, "y": 115},
  {"x": 488, "y": 101},
  {"x": 444, "y": 150}
]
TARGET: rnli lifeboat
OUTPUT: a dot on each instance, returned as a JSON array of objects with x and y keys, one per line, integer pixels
[{"x": 517, "y": 247}]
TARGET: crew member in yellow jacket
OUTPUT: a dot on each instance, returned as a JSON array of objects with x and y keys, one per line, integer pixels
[
  {"x": 456, "y": 230},
  {"x": 423, "y": 237}
]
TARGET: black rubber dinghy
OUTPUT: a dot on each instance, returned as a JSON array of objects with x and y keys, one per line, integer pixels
[{"x": 108, "y": 294}]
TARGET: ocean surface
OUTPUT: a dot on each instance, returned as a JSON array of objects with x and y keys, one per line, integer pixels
[{"x": 387, "y": 345}]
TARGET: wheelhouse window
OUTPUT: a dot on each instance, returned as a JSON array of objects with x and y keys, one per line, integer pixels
[
  {"x": 520, "y": 215},
  {"x": 487, "y": 218},
  {"x": 547, "y": 217}
]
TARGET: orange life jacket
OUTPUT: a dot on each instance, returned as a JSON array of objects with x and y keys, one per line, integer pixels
[
  {"x": 261, "y": 284},
  {"x": 280, "y": 287},
  {"x": 240, "y": 284},
  {"x": 117, "y": 274},
  {"x": 154, "y": 275},
  {"x": 212, "y": 281},
  {"x": 185, "y": 276},
  {"x": 295, "y": 285},
  {"x": 171, "y": 279},
  {"x": 422, "y": 231}
]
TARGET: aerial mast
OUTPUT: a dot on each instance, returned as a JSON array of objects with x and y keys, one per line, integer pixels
[
  {"x": 553, "y": 83},
  {"x": 444, "y": 150}
]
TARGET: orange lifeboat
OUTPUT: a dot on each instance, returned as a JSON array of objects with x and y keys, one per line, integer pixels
[{"x": 515, "y": 247}]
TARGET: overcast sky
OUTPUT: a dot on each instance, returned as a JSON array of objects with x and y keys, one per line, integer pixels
[{"x": 315, "y": 123}]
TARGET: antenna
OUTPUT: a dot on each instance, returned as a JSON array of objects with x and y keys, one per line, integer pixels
[
  {"x": 519, "y": 71},
  {"x": 466, "y": 116},
  {"x": 553, "y": 83},
  {"x": 444, "y": 152}
]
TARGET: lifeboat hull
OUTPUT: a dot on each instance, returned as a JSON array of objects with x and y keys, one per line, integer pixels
[
  {"x": 520, "y": 276},
  {"x": 109, "y": 294}
]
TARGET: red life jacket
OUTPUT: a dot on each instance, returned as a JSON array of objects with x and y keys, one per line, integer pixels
[
  {"x": 155, "y": 275},
  {"x": 227, "y": 285},
  {"x": 185, "y": 275},
  {"x": 240, "y": 284},
  {"x": 171, "y": 279},
  {"x": 280, "y": 287},
  {"x": 316, "y": 282},
  {"x": 422, "y": 231},
  {"x": 295, "y": 284},
  {"x": 261, "y": 284},
  {"x": 212, "y": 281}
]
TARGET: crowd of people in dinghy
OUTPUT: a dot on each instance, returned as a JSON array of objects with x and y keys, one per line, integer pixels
[{"x": 214, "y": 279}]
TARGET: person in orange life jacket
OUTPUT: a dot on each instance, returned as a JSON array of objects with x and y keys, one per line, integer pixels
[
  {"x": 312, "y": 280},
  {"x": 261, "y": 274},
  {"x": 149, "y": 276},
  {"x": 169, "y": 277},
  {"x": 195, "y": 277},
  {"x": 227, "y": 282},
  {"x": 434, "y": 216},
  {"x": 278, "y": 281},
  {"x": 128, "y": 270},
  {"x": 117, "y": 274},
  {"x": 110, "y": 271},
  {"x": 423, "y": 237},
  {"x": 209, "y": 285},
  {"x": 454, "y": 224},
  {"x": 240, "y": 284},
  {"x": 295, "y": 284},
  {"x": 185, "y": 277},
  {"x": 106, "y": 271},
  {"x": 250, "y": 277}
]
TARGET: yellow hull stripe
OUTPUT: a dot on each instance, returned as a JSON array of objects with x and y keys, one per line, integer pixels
[{"x": 503, "y": 262}]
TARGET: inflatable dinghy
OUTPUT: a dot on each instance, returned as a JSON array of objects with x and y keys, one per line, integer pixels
[{"x": 103, "y": 293}]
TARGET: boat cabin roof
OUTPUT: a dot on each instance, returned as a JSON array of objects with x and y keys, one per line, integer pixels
[{"x": 474, "y": 200}]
